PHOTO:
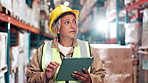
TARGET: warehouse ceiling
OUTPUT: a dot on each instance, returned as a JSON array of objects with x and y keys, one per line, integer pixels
[{"x": 76, "y": 4}]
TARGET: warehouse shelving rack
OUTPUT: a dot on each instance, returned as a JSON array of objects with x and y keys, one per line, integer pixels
[
  {"x": 141, "y": 50},
  {"x": 135, "y": 5},
  {"x": 9, "y": 21}
]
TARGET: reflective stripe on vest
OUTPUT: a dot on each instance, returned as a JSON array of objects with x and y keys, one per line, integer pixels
[{"x": 51, "y": 54}]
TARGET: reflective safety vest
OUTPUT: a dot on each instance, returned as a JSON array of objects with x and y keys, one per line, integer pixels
[{"x": 51, "y": 54}]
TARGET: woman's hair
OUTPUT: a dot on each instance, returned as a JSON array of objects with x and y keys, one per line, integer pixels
[{"x": 56, "y": 26}]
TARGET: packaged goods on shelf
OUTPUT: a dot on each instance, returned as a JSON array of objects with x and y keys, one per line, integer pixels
[
  {"x": 130, "y": 2},
  {"x": 2, "y": 78},
  {"x": 117, "y": 61},
  {"x": 22, "y": 7},
  {"x": 33, "y": 50},
  {"x": 16, "y": 8},
  {"x": 21, "y": 73},
  {"x": 127, "y": 2},
  {"x": 3, "y": 49},
  {"x": 111, "y": 10},
  {"x": 23, "y": 55},
  {"x": 145, "y": 28},
  {"x": 7, "y": 4},
  {"x": 23, "y": 46},
  {"x": 14, "y": 54},
  {"x": 133, "y": 32},
  {"x": 46, "y": 26},
  {"x": 35, "y": 14},
  {"x": 12, "y": 78},
  {"x": 28, "y": 15}
]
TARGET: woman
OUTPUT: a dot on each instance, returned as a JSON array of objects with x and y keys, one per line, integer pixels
[{"x": 46, "y": 61}]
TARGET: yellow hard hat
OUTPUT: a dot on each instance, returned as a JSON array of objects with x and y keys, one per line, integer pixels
[{"x": 61, "y": 9}]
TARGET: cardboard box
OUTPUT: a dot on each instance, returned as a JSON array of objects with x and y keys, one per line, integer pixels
[
  {"x": 117, "y": 61},
  {"x": 118, "y": 78},
  {"x": 23, "y": 46},
  {"x": 12, "y": 78},
  {"x": 14, "y": 54},
  {"x": 3, "y": 49},
  {"x": 2, "y": 79}
]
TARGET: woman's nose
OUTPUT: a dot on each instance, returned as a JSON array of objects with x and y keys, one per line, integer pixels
[{"x": 72, "y": 25}]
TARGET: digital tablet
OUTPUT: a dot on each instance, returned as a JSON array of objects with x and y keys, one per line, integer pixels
[{"x": 69, "y": 65}]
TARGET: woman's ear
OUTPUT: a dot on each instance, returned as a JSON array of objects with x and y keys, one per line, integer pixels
[{"x": 57, "y": 30}]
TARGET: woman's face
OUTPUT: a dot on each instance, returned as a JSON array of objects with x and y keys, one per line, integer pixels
[{"x": 68, "y": 26}]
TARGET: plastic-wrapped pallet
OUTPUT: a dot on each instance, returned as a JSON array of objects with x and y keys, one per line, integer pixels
[
  {"x": 3, "y": 49},
  {"x": 133, "y": 33}
]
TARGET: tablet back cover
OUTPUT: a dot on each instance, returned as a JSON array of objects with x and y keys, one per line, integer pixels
[{"x": 69, "y": 65}]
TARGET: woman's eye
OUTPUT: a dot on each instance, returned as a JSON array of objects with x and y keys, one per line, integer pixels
[
  {"x": 74, "y": 22},
  {"x": 66, "y": 22}
]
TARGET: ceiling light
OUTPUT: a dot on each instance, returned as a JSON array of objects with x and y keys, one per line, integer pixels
[
  {"x": 48, "y": 3},
  {"x": 66, "y": 3}
]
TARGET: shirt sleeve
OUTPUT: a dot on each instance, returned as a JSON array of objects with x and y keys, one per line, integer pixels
[
  {"x": 34, "y": 73},
  {"x": 97, "y": 71}
]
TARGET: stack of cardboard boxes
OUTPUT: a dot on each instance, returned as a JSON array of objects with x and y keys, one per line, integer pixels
[
  {"x": 21, "y": 11},
  {"x": 19, "y": 59},
  {"x": 3, "y": 56},
  {"x": 117, "y": 62}
]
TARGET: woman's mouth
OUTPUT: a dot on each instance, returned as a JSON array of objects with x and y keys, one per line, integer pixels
[{"x": 72, "y": 31}]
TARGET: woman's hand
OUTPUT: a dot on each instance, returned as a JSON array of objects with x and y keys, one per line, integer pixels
[
  {"x": 83, "y": 77},
  {"x": 51, "y": 69}
]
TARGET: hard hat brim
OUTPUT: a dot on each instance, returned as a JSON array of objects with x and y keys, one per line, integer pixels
[{"x": 76, "y": 12}]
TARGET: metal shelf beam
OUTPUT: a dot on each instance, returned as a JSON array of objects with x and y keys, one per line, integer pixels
[
  {"x": 136, "y": 4},
  {"x": 15, "y": 22}
]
